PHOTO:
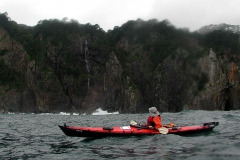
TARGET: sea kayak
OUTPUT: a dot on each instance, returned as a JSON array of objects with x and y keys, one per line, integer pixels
[{"x": 132, "y": 130}]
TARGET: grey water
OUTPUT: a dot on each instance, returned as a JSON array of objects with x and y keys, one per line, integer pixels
[{"x": 34, "y": 136}]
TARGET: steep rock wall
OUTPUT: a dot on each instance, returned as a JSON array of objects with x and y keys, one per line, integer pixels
[
  {"x": 89, "y": 78},
  {"x": 33, "y": 97}
]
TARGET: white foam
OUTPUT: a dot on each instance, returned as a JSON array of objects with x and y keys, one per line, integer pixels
[
  {"x": 61, "y": 113},
  {"x": 64, "y": 113},
  {"x": 99, "y": 111}
]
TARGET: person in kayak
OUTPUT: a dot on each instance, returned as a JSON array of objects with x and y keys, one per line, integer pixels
[{"x": 154, "y": 120}]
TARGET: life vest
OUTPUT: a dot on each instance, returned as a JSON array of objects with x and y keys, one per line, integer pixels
[{"x": 150, "y": 121}]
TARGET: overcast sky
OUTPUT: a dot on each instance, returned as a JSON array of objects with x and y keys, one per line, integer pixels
[{"x": 191, "y": 14}]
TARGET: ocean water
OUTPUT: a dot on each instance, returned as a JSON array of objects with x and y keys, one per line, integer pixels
[{"x": 34, "y": 136}]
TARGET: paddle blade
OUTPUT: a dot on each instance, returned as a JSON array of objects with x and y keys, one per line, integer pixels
[
  {"x": 163, "y": 130},
  {"x": 132, "y": 122}
]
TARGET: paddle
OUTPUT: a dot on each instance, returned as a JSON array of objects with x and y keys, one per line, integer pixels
[
  {"x": 163, "y": 130},
  {"x": 132, "y": 122}
]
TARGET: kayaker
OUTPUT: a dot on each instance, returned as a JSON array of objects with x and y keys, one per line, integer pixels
[{"x": 154, "y": 120}]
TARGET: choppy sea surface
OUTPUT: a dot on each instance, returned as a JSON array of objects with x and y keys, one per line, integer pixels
[{"x": 34, "y": 136}]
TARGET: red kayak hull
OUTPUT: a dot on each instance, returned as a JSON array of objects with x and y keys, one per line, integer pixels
[{"x": 78, "y": 131}]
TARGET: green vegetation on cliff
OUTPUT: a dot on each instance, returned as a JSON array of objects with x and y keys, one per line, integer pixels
[{"x": 223, "y": 41}]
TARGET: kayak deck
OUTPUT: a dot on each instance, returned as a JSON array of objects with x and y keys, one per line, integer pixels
[
  {"x": 185, "y": 130},
  {"x": 75, "y": 131},
  {"x": 132, "y": 130}
]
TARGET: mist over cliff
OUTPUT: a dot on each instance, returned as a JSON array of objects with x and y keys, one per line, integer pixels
[{"x": 67, "y": 66}]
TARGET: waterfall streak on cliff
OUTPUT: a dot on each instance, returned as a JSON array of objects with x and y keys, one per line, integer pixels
[{"x": 86, "y": 60}]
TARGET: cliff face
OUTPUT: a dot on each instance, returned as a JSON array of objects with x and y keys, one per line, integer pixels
[
  {"x": 85, "y": 74},
  {"x": 221, "y": 90},
  {"x": 51, "y": 89},
  {"x": 205, "y": 82},
  {"x": 39, "y": 94}
]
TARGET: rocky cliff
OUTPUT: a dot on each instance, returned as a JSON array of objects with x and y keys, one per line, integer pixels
[{"x": 121, "y": 70}]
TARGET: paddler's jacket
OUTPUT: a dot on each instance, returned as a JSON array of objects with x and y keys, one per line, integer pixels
[{"x": 154, "y": 121}]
